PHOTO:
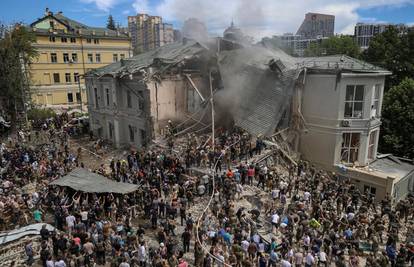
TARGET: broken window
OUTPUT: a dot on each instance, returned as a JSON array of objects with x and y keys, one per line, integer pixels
[
  {"x": 376, "y": 101},
  {"x": 354, "y": 101},
  {"x": 350, "y": 147},
  {"x": 371, "y": 144}
]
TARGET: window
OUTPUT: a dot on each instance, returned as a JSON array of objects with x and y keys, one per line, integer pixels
[
  {"x": 98, "y": 58},
  {"x": 107, "y": 96},
  {"x": 110, "y": 130},
  {"x": 370, "y": 190},
  {"x": 76, "y": 77},
  {"x": 129, "y": 100},
  {"x": 115, "y": 58},
  {"x": 66, "y": 57},
  {"x": 132, "y": 131},
  {"x": 350, "y": 147},
  {"x": 143, "y": 135},
  {"x": 56, "y": 77},
  {"x": 354, "y": 101},
  {"x": 375, "y": 108},
  {"x": 52, "y": 39},
  {"x": 53, "y": 57},
  {"x": 51, "y": 24},
  {"x": 78, "y": 97},
  {"x": 70, "y": 98},
  {"x": 95, "y": 91},
  {"x": 73, "y": 40},
  {"x": 64, "y": 39},
  {"x": 141, "y": 100},
  {"x": 74, "y": 57},
  {"x": 90, "y": 58},
  {"x": 96, "y": 41},
  {"x": 67, "y": 77},
  {"x": 371, "y": 144},
  {"x": 122, "y": 56},
  {"x": 88, "y": 40}
]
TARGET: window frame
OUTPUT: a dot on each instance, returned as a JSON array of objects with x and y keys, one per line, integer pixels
[
  {"x": 115, "y": 58},
  {"x": 52, "y": 39},
  {"x": 66, "y": 58},
  {"x": 98, "y": 58},
  {"x": 349, "y": 149},
  {"x": 63, "y": 39},
  {"x": 71, "y": 94},
  {"x": 76, "y": 77},
  {"x": 90, "y": 58},
  {"x": 131, "y": 130},
  {"x": 56, "y": 74},
  {"x": 53, "y": 58},
  {"x": 129, "y": 100},
  {"x": 353, "y": 102},
  {"x": 74, "y": 57},
  {"x": 68, "y": 78},
  {"x": 73, "y": 40},
  {"x": 372, "y": 143},
  {"x": 88, "y": 40},
  {"x": 107, "y": 93},
  {"x": 96, "y": 41},
  {"x": 376, "y": 98}
]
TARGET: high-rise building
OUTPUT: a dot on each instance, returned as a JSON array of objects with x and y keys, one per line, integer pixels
[
  {"x": 364, "y": 32},
  {"x": 67, "y": 50},
  {"x": 316, "y": 26},
  {"x": 149, "y": 32}
]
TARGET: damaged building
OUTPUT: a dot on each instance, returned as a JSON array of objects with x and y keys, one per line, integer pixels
[{"x": 325, "y": 110}]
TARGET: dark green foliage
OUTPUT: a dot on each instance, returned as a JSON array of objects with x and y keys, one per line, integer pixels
[
  {"x": 336, "y": 45},
  {"x": 398, "y": 120},
  {"x": 111, "y": 23}
]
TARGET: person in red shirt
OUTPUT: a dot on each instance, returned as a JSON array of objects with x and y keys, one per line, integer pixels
[{"x": 182, "y": 263}]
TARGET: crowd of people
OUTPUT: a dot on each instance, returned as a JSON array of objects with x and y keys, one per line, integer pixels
[{"x": 307, "y": 218}]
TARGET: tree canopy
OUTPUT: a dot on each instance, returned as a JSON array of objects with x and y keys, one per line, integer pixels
[
  {"x": 393, "y": 50},
  {"x": 111, "y": 23},
  {"x": 398, "y": 120},
  {"x": 335, "y": 45},
  {"x": 16, "y": 53}
]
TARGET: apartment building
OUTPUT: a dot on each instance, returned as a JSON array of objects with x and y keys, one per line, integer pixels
[
  {"x": 364, "y": 32},
  {"x": 67, "y": 50},
  {"x": 149, "y": 32},
  {"x": 317, "y": 25}
]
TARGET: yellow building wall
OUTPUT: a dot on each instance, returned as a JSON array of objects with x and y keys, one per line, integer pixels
[{"x": 45, "y": 91}]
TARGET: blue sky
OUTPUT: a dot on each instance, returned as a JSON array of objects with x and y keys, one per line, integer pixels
[{"x": 257, "y": 18}]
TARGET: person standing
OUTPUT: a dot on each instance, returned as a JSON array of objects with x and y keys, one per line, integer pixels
[
  {"x": 29, "y": 252},
  {"x": 186, "y": 240}
]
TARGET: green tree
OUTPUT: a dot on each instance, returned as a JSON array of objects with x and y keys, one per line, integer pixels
[
  {"x": 398, "y": 120},
  {"x": 111, "y": 23},
  {"x": 393, "y": 50},
  {"x": 16, "y": 54},
  {"x": 336, "y": 45}
]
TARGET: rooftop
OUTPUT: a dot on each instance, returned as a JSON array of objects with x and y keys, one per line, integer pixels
[{"x": 74, "y": 27}]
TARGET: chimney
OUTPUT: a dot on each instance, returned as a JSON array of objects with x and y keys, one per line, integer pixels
[{"x": 46, "y": 11}]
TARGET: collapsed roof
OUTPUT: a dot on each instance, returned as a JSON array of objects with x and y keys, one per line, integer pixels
[
  {"x": 83, "y": 180},
  {"x": 258, "y": 81}
]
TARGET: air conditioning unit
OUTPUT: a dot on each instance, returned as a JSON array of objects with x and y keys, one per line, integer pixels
[{"x": 345, "y": 123}]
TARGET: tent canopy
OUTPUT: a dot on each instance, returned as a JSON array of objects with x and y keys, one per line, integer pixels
[{"x": 83, "y": 180}]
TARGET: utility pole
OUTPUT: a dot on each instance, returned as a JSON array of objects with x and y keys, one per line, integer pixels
[{"x": 212, "y": 115}]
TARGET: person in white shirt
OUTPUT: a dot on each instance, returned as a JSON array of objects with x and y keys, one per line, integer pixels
[
  {"x": 285, "y": 263},
  {"x": 245, "y": 246},
  {"x": 322, "y": 258},
  {"x": 309, "y": 260},
  {"x": 142, "y": 254},
  {"x": 70, "y": 222},
  {"x": 275, "y": 221}
]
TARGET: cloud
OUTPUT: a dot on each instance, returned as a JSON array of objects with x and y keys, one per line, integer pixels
[
  {"x": 104, "y": 5},
  {"x": 141, "y": 6},
  {"x": 265, "y": 17}
]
